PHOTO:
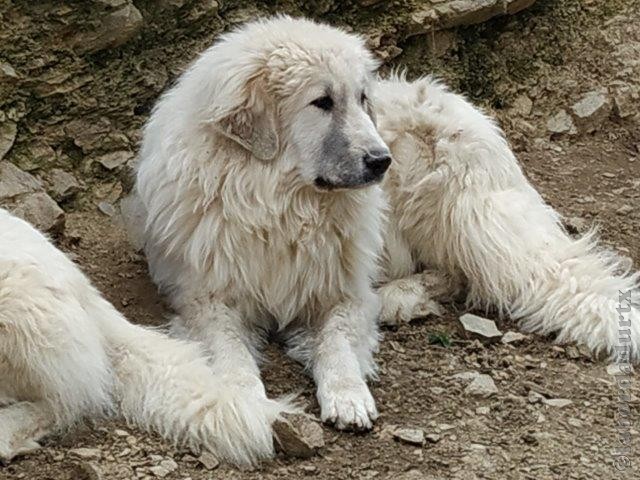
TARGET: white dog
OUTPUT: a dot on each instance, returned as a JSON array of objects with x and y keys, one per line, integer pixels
[
  {"x": 67, "y": 354},
  {"x": 460, "y": 204},
  {"x": 261, "y": 175}
]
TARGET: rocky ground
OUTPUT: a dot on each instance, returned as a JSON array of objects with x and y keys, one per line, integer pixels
[{"x": 77, "y": 80}]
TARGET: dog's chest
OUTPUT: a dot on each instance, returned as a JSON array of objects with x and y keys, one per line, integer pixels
[
  {"x": 299, "y": 259},
  {"x": 296, "y": 265}
]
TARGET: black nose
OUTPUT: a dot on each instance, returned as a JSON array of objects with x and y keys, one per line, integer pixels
[{"x": 377, "y": 162}]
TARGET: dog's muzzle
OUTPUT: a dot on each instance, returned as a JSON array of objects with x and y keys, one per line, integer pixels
[{"x": 374, "y": 166}]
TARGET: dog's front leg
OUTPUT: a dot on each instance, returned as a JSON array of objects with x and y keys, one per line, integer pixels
[
  {"x": 342, "y": 359},
  {"x": 231, "y": 342}
]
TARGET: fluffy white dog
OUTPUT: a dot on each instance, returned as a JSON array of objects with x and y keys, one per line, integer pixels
[
  {"x": 67, "y": 354},
  {"x": 268, "y": 208},
  {"x": 460, "y": 204},
  {"x": 262, "y": 175}
]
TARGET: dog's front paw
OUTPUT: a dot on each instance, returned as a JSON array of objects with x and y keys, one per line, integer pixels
[{"x": 347, "y": 404}]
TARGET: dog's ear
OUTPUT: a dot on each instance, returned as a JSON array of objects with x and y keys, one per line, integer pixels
[{"x": 253, "y": 124}]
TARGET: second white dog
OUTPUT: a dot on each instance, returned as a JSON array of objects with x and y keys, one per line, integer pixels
[{"x": 66, "y": 354}]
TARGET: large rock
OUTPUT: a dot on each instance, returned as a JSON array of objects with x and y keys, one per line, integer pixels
[
  {"x": 625, "y": 102},
  {"x": 466, "y": 12},
  {"x": 298, "y": 435},
  {"x": 114, "y": 160},
  {"x": 114, "y": 29},
  {"x": 412, "y": 436},
  {"x": 591, "y": 111},
  {"x": 561, "y": 123},
  {"x": 428, "y": 17},
  {"x": 478, "y": 327},
  {"x": 209, "y": 461},
  {"x": 22, "y": 194},
  {"x": 482, "y": 386},
  {"x": 41, "y": 211},
  {"x": 14, "y": 182},
  {"x": 62, "y": 185}
]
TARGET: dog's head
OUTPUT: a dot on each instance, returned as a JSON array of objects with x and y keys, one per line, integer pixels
[{"x": 295, "y": 91}]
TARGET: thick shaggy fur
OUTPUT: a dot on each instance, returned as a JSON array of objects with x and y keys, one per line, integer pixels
[
  {"x": 67, "y": 354},
  {"x": 461, "y": 205},
  {"x": 254, "y": 224},
  {"x": 243, "y": 242}
]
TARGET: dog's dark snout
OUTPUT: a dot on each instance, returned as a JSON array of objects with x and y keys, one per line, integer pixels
[{"x": 377, "y": 162}]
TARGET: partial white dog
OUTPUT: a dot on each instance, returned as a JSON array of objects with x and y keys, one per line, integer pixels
[
  {"x": 67, "y": 354},
  {"x": 262, "y": 175},
  {"x": 460, "y": 204}
]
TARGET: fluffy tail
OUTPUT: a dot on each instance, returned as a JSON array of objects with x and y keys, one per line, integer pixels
[
  {"x": 72, "y": 355},
  {"x": 588, "y": 296},
  {"x": 167, "y": 385},
  {"x": 517, "y": 257}
]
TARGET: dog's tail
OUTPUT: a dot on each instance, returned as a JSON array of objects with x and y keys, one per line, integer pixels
[
  {"x": 167, "y": 385},
  {"x": 586, "y": 295},
  {"x": 73, "y": 356},
  {"x": 517, "y": 256}
]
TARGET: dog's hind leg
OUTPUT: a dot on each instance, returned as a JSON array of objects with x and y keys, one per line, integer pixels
[
  {"x": 51, "y": 351},
  {"x": 415, "y": 296},
  {"x": 23, "y": 424},
  {"x": 469, "y": 209},
  {"x": 50, "y": 358},
  {"x": 495, "y": 228}
]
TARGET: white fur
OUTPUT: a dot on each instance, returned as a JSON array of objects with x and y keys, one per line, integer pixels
[
  {"x": 461, "y": 204},
  {"x": 67, "y": 354},
  {"x": 243, "y": 243}
]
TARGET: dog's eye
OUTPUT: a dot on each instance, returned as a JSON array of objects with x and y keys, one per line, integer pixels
[
  {"x": 363, "y": 98},
  {"x": 324, "y": 103}
]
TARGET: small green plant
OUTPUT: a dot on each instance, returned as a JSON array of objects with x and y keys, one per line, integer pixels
[{"x": 440, "y": 338}]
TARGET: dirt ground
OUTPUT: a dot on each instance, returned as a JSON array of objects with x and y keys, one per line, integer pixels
[{"x": 528, "y": 67}]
